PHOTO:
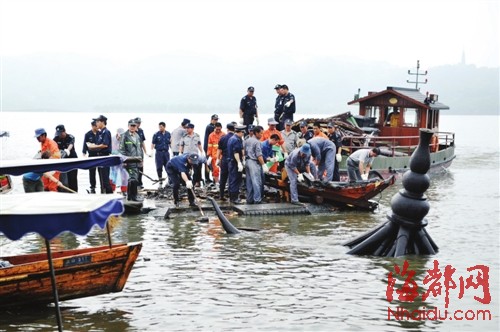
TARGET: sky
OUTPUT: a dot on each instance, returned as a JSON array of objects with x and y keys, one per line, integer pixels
[{"x": 398, "y": 32}]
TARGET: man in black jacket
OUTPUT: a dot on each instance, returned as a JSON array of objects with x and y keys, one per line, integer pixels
[{"x": 90, "y": 138}]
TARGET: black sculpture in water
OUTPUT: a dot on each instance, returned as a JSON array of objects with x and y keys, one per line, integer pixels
[
  {"x": 226, "y": 224},
  {"x": 405, "y": 232}
]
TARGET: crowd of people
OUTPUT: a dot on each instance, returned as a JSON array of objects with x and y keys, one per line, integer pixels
[{"x": 222, "y": 158}]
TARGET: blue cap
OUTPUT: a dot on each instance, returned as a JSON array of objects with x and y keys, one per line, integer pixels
[
  {"x": 306, "y": 149},
  {"x": 39, "y": 132},
  {"x": 194, "y": 158},
  {"x": 190, "y": 125}
]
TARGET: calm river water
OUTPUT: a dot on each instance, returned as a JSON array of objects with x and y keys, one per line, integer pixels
[{"x": 294, "y": 275}]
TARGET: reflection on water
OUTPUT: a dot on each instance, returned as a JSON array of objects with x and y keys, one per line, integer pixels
[
  {"x": 75, "y": 319},
  {"x": 292, "y": 275}
]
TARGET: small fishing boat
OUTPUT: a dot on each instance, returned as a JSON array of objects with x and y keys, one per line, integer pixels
[
  {"x": 342, "y": 194},
  {"x": 25, "y": 279},
  {"x": 42, "y": 278},
  {"x": 391, "y": 120}
]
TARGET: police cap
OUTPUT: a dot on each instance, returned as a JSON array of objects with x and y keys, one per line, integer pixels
[
  {"x": 101, "y": 118},
  {"x": 240, "y": 129}
]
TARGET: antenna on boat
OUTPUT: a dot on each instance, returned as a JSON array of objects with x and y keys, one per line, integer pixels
[
  {"x": 417, "y": 74},
  {"x": 356, "y": 96}
]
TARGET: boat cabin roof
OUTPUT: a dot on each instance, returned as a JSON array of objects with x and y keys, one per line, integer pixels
[{"x": 409, "y": 98}]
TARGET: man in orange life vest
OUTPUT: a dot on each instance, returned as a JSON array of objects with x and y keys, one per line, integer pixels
[
  {"x": 49, "y": 145},
  {"x": 212, "y": 147}
]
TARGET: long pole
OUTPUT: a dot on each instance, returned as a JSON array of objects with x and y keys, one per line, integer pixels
[
  {"x": 109, "y": 234},
  {"x": 418, "y": 68},
  {"x": 54, "y": 286}
]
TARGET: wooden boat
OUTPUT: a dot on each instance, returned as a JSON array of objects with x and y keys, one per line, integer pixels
[
  {"x": 397, "y": 139},
  {"x": 79, "y": 273},
  {"x": 344, "y": 194},
  {"x": 35, "y": 279}
]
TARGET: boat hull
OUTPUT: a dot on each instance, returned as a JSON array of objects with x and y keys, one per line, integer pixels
[
  {"x": 79, "y": 273},
  {"x": 397, "y": 165},
  {"x": 344, "y": 194}
]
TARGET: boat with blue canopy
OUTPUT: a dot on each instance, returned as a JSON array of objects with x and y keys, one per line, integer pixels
[{"x": 43, "y": 278}]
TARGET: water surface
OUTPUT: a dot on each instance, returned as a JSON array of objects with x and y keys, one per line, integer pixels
[{"x": 294, "y": 275}]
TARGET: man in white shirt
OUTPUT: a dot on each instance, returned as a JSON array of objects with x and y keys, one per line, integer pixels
[
  {"x": 177, "y": 135},
  {"x": 359, "y": 164}
]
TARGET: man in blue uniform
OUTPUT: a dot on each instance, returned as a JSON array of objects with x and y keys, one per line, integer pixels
[
  {"x": 288, "y": 101},
  {"x": 91, "y": 138},
  {"x": 66, "y": 144},
  {"x": 278, "y": 105},
  {"x": 323, "y": 151},
  {"x": 297, "y": 162},
  {"x": 208, "y": 130},
  {"x": 267, "y": 148},
  {"x": 178, "y": 168},
  {"x": 161, "y": 143},
  {"x": 336, "y": 137},
  {"x": 235, "y": 163},
  {"x": 222, "y": 159},
  {"x": 255, "y": 166},
  {"x": 305, "y": 133},
  {"x": 103, "y": 148},
  {"x": 248, "y": 108}
]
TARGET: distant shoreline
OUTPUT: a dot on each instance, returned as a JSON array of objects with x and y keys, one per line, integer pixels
[{"x": 136, "y": 111}]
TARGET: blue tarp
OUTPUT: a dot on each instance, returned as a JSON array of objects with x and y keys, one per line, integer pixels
[{"x": 51, "y": 213}]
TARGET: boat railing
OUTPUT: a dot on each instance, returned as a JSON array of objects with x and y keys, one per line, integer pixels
[{"x": 391, "y": 147}]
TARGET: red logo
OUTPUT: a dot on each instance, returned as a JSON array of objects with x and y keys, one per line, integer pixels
[{"x": 439, "y": 282}]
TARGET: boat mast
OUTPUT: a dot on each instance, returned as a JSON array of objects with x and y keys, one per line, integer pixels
[{"x": 417, "y": 74}]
